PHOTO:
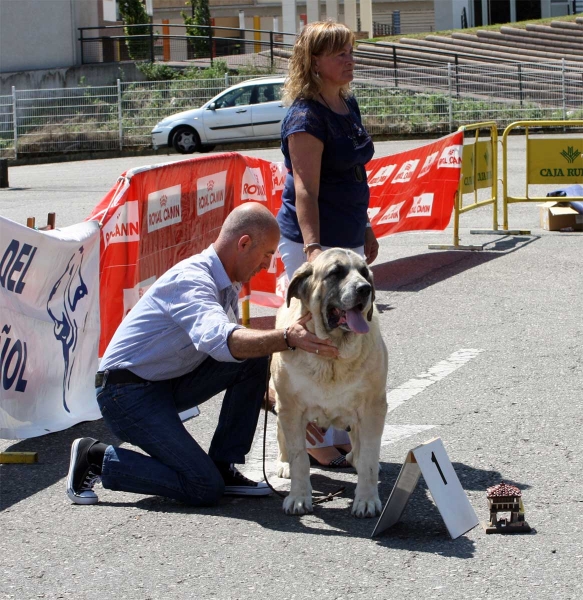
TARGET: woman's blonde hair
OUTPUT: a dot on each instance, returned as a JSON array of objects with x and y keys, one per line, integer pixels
[{"x": 321, "y": 37}]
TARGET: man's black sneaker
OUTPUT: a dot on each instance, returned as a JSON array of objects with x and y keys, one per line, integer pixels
[
  {"x": 82, "y": 474},
  {"x": 236, "y": 484}
]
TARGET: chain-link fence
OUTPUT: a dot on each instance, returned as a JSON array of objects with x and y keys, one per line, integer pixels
[
  {"x": 7, "y": 141},
  {"x": 414, "y": 100}
]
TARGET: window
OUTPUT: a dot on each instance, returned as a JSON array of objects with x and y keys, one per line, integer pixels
[
  {"x": 238, "y": 97},
  {"x": 269, "y": 92}
]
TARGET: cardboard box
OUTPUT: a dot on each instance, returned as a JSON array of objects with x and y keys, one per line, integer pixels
[{"x": 555, "y": 216}]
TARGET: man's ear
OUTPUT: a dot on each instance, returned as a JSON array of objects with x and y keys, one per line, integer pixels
[
  {"x": 297, "y": 286},
  {"x": 245, "y": 242}
]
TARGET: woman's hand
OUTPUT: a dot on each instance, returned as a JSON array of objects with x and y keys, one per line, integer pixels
[
  {"x": 371, "y": 245},
  {"x": 312, "y": 253},
  {"x": 314, "y": 434}
]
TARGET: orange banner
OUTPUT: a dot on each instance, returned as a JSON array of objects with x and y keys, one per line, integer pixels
[{"x": 156, "y": 216}]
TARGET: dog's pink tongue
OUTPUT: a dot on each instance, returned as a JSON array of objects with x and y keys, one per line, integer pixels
[{"x": 356, "y": 321}]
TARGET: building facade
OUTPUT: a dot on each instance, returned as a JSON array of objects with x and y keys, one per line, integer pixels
[{"x": 44, "y": 34}]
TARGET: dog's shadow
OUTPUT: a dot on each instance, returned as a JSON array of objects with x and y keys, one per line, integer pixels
[{"x": 420, "y": 528}]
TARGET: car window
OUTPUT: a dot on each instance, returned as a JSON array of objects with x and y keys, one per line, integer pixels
[
  {"x": 237, "y": 97},
  {"x": 269, "y": 92}
]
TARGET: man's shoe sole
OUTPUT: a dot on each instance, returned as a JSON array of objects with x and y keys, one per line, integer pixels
[
  {"x": 235, "y": 490},
  {"x": 91, "y": 497}
]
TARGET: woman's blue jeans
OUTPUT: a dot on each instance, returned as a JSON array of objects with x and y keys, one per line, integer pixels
[{"x": 146, "y": 415}]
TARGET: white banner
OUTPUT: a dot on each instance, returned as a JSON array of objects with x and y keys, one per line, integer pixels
[{"x": 49, "y": 328}]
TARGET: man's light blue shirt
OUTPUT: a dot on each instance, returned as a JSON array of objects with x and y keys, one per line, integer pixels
[{"x": 180, "y": 321}]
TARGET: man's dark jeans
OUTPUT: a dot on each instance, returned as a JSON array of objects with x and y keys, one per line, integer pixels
[{"x": 146, "y": 415}]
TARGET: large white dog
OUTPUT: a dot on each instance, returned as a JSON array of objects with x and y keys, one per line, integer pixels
[{"x": 348, "y": 391}]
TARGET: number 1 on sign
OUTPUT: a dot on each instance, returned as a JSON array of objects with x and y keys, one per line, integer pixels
[{"x": 434, "y": 460}]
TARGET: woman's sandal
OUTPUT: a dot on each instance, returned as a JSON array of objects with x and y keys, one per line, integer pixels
[{"x": 339, "y": 462}]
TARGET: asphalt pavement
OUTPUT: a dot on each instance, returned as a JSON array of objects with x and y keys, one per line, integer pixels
[{"x": 485, "y": 352}]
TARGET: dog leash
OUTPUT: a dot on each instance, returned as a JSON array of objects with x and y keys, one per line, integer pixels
[{"x": 327, "y": 498}]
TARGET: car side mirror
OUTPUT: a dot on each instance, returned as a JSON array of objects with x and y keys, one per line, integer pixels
[{"x": 212, "y": 106}]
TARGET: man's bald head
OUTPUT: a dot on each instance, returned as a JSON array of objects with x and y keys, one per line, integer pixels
[
  {"x": 248, "y": 241},
  {"x": 252, "y": 219}
]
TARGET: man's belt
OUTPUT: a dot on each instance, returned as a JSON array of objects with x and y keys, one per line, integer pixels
[{"x": 116, "y": 376}]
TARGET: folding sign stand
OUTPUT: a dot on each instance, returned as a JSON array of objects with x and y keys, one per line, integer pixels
[{"x": 431, "y": 460}]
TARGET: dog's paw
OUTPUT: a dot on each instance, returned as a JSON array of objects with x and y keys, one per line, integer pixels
[
  {"x": 283, "y": 470},
  {"x": 366, "y": 507},
  {"x": 297, "y": 505}
]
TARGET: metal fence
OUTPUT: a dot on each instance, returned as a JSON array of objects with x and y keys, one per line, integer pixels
[
  {"x": 172, "y": 43},
  {"x": 414, "y": 100}
]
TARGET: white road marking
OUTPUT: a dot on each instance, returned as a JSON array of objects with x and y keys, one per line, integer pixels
[
  {"x": 442, "y": 369},
  {"x": 391, "y": 434},
  {"x": 394, "y": 433}
]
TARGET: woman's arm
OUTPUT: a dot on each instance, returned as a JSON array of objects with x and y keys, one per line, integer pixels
[{"x": 305, "y": 152}]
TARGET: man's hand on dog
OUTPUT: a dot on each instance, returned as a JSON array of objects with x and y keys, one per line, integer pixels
[{"x": 300, "y": 337}]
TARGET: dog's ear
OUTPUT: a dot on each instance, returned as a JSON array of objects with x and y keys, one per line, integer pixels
[
  {"x": 371, "y": 310},
  {"x": 297, "y": 285}
]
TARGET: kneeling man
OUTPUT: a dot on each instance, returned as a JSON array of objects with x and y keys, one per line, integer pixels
[{"x": 180, "y": 345}]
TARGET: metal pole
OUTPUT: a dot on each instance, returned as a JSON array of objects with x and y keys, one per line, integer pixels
[
  {"x": 119, "y": 114},
  {"x": 564, "y": 89},
  {"x": 521, "y": 95},
  {"x": 82, "y": 44},
  {"x": 271, "y": 47},
  {"x": 14, "y": 122},
  {"x": 4, "y": 173},
  {"x": 152, "y": 57},
  {"x": 449, "y": 85},
  {"x": 395, "y": 66},
  {"x": 211, "y": 43}
]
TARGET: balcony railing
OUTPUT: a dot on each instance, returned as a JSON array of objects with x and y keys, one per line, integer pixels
[{"x": 171, "y": 43}]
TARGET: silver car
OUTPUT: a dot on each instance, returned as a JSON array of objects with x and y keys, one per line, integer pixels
[{"x": 248, "y": 111}]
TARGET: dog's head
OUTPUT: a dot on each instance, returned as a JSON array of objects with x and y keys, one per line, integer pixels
[{"x": 338, "y": 290}]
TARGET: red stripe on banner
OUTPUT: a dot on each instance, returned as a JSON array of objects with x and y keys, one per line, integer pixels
[{"x": 159, "y": 215}]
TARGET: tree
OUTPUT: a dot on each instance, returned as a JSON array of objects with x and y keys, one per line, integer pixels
[
  {"x": 201, "y": 15},
  {"x": 133, "y": 12}
]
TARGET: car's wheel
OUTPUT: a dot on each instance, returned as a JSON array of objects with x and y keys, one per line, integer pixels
[
  {"x": 186, "y": 140},
  {"x": 207, "y": 148}
]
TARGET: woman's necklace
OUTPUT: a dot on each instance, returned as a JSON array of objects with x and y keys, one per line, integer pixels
[{"x": 326, "y": 103}]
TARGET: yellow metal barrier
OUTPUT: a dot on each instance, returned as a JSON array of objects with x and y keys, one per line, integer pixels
[
  {"x": 245, "y": 305},
  {"x": 549, "y": 161},
  {"x": 479, "y": 171}
]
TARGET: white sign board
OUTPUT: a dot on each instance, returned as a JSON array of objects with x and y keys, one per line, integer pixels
[{"x": 430, "y": 460}]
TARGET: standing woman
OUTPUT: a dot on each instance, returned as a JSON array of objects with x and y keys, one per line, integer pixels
[{"x": 326, "y": 194}]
